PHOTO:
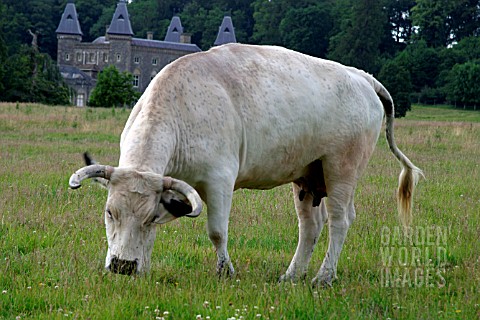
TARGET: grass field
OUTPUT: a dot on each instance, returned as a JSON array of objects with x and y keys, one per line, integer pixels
[{"x": 53, "y": 244}]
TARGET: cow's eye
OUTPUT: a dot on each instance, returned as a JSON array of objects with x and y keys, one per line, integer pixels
[{"x": 109, "y": 214}]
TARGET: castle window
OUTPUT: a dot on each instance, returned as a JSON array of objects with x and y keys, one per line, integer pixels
[
  {"x": 92, "y": 57},
  {"x": 136, "y": 78},
  {"x": 80, "y": 100},
  {"x": 136, "y": 60},
  {"x": 67, "y": 57},
  {"x": 119, "y": 57},
  {"x": 79, "y": 56},
  {"x": 154, "y": 61},
  {"x": 105, "y": 57}
]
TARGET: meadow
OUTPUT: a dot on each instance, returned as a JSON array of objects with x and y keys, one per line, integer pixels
[{"x": 53, "y": 244}]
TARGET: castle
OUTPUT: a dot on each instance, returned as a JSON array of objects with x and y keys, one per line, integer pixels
[{"x": 80, "y": 62}]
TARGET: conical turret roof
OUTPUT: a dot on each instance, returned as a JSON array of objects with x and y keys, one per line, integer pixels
[
  {"x": 175, "y": 30},
  {"x": 121, "y": 21},
  {"x": 226, "y": 32},
  {"x": 69, "y": 23}
]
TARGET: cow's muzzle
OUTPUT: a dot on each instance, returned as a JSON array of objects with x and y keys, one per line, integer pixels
[{"x": 125, "y": 267}]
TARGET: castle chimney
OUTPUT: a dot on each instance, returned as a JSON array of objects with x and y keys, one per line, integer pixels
[
  {"x": 185, "y": 38},
  {"x": 149, "y": 35}
]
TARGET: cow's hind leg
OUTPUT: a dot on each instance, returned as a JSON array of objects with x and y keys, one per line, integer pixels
[
  {"x": 310, "y": 223},
  {"x": 341, "y": 175},
  {"x": 341, "y": 214}
]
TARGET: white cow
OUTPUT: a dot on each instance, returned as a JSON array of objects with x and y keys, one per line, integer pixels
[{"x": 244, "y": 116}]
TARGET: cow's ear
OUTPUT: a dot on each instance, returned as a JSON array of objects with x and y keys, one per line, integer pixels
[{"x": 175, "y": 203}]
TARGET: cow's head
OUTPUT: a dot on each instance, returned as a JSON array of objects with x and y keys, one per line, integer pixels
[{"x": 137, "y": 201}]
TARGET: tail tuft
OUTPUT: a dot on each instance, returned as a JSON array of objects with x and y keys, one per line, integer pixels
[{"x": 407, "y": 181}]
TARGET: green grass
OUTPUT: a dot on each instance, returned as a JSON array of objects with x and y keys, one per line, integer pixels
[
  {"x": 53, "y": 245},
  {"x": 443, "y": 113}
]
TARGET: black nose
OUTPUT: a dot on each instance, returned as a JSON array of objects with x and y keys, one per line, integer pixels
[{"x": 123, "y": 266}]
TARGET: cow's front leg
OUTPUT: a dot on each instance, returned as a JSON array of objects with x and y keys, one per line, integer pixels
[{"x": 219, "y": 202}]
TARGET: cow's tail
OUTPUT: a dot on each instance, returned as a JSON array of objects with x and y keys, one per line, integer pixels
[{"x": 410, "y": 174}]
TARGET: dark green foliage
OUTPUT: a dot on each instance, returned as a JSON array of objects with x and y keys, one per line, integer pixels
[
  {"x": 148, "y": 16},
  {"x": 463, "y": 84},
  {"x": 203, "y": 24},
  {"x": 307, "y": 29},
  {"x": 30, "y": 76},
  {"x": 464, "y": 19},
  {"x": 397, "y": 80},
  {"x": 444, "y": 22},
  {"x": 360, "y": 33},
  {"x": 267, "y": 16},
  {"x": 3, "y": 53},
  {"x": 113, "y": 89},
  {"x": 399, "y": 29},
  {"x": 469, "y": 48},
  {"x": 90, "y": 13},
  {"x": 422, "y": 63},
  {"x": 431, "y": 17}
]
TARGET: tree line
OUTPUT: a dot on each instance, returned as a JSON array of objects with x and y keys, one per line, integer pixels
[{"x": 423, "y": 51}]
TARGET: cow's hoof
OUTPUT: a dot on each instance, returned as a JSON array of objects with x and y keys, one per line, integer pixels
[
  {"x": 286, "y": 278},
  {"x": 324, "y": 279},
  {"x": 322, "y": 283},
  {"x": 225, "y": 269},
  {"x": 291, "y": 277}
]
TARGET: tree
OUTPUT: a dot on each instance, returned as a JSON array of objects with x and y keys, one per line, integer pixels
[
  {"x": 113, "y": 89},
  {"x": 307, "y": 29},
  {"x": 43, "y": 24},
  {"x": 464, "y": 20},
  {"x": 204, "y": 23},
  {"x": 149, "y": 15},
  {"x": 98, "y": 29},
  {"x": 267, "y": 15},
  {"x": 432, "y": 19},
  {"x": 360, "y": 26},
  {"x": 422, "y": 62},
  {"x": 398, "y": 82},
  {"x": 3, "y": 51},
  {"x": 462, "y": 85},
  {"x": 194, "y": 16},
  {"x": 3, "y": 56},
  {"x": 30, "y": 76},
  {"x": 468, "y": 48},
  {"x": 212, "y": 23},
  {"x": 90, "y": 13},
  {"x": 400, "y": 28},
  {"x": 48, "y": 85}
]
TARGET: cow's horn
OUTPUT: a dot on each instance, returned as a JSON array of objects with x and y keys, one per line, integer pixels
[
  {"x": 188, "y": 191},
  {"x": 92, "y": 171}
]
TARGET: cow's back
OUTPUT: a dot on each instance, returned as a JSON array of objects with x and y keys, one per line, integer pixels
[{"x": 266, "y": 107}]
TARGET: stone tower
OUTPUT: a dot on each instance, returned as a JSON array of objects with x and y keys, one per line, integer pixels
[
  {"x": 69, "y": 35},
  {"x": 119, "y": 35}
]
